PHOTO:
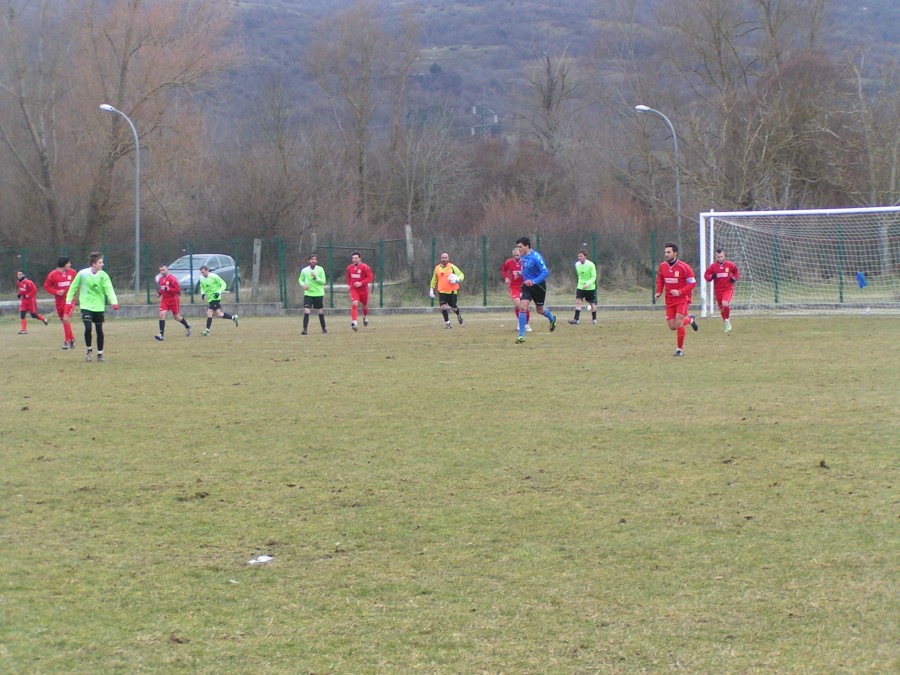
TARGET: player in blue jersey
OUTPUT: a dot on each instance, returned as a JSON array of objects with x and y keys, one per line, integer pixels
[{"x": 534, "y": 286}]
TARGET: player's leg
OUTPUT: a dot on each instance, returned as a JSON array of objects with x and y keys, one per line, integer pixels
[
  {"x": 23, "y": 322},
  {"x": 354, "y": 313},
  {"x": 86, "y": 317},
  {"x": 444, "y": 312},
  {"x": 162, "y": 323},
  {"x": 364, "y": 301},
  {"x": 307, "y": 308},
  {"x": 322, "y": 319},
  {"x": 577, "y": 318},
  {"x": 592, "y": 305},
  {"x": 453, "y": 304}
]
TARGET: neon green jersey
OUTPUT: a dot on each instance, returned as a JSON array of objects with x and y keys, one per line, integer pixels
[
  {"x": 94, "y": 290},
  {"x": 212, "y": 286},
  {"x": 587, "y": 275},
  {"x": 314, "y": 277}
]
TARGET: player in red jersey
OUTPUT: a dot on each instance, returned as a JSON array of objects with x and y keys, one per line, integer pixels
[
  {"x": 723, "y": 273},
  {"x": 676, "y": 278},
  {"x": 359, "y": 276},
  {"x": 26, "y": 291},
  {"x": 512, "y": 277},
  {"x": 57, "y": 284},
  {"x": 169, "y": 291}
]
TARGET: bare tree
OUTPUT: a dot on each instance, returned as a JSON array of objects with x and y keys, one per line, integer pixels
[{"x": 359, "y": 67}]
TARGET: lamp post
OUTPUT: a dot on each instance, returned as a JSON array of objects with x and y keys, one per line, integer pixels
[
  {"x": 137, "y": 196},
  {"x": 644, "y": 109}
]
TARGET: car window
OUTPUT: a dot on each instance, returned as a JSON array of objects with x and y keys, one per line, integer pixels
[{"x": 183, "y": 263}]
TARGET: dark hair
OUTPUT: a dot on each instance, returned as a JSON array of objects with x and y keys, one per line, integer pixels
[
  {"x": 525, "y": 241},
  {"x": 719, "y": 250},
  {"x": 355, "y": 253},
  {"x": 62, "y": 261},
  {"x": 584, "y": 252},
  {"x": 672, "y": 246},
  {"x": 312, "y": 255},
  {"x": 95, "y": 256},
  {"x": 204, "y": 267}
]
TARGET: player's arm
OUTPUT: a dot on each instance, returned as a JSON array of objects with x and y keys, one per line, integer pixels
[
  {"x": 48, "y": 285},
  {"x": 735, "y": 275},
  {"x": 660, "y": 283},
  {"x": 110, "y": 293},
  {"x": 543, "y": 271},
  {"x": 592, "y": 275},
  {"x": 690, "y": 281},
  {"x": 174, "y": 286},
  {"x": 369, "y": 275},
  {"x": 458, "y": 272},
  {"x": 709, "y": 274},
  {"x": 73, "y": 289}
]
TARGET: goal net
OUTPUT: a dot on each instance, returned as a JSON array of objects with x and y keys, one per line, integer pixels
[{"x": 814, "y": 261}]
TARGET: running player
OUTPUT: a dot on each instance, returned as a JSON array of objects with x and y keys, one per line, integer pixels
[
  {"x": 723, "y": 273},
  {"x": 169, "y": 291},
  {"x": 57, "y": 284},
  {"x": 534, "y": 286},
  {"x": 359, "y": 276},
  {"x": 676, "y": 278},
  {"x": 512, "y": 277},
  {"x": 26, "y": 291}
]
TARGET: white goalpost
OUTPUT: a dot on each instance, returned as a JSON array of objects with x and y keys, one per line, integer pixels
[{"x": 806, "y": 261}]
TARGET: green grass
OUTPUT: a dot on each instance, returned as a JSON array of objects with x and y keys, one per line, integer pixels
[{"x": 450, "y": 502}]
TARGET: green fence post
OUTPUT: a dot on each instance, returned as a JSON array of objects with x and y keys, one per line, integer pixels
[
  {"x": 652, "y": 265},
  {"x": 381, "y": 273},
  {"x": 282, "y": 273},
  {"x": 147, "y": 274},
  {"x": 237, "y": 276},
  {"x": 841, "y": 261},
  {"x": 775, "y": 263},
  {"x": 190, "y": 250},
  {"x": 484, "y": 272},
  {"x": 433, "y": 263},
  {"x": 330, "y": 275},
  {"x": 24, "y": 257}
]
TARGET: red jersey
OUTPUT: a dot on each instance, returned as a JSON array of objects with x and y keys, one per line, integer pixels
[
  {"x": 721, "y": 276},
  {"x": 512, "y": 270},
  {"x": 57, "y": 283},
  {"x": 361, "y": 273},
  {"x": 169, "y": 286},
  {"x": 26, "y": 289},
  {"x": 676, "y": 276}
]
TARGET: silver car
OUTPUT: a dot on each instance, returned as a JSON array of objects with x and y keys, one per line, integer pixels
[{"x": 187, "y": 270}]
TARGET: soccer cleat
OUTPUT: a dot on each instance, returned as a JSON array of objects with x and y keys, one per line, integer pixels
[
  {"x": 459, "y": 318},
  {"x": 100, "y": 358},
  {"x": 694, "y": 324},
  {"x": 71, "y": 344},
  {"x": 520, "y": 340},
  {"x": 727, "y": 326},
  {"x": 23, "y": 332},
  {"x": 324, "y": 331},
  {"x": 65, "y": 344},
  {"x": 553, "y": 325},
  {"x": 365, "y": 321},
  {"x": 303, "y": 332},
  {"x": 45, "y": 320},
  {"x": 527, "y": 327},
  {"x": 235, "y": 318},
  {"x": 187, "y": 331},
  {"x": 594, "y": 321},
  {"x": 447, "y": 325},
  {"x": 574, "y": 322},
  {"x": 158, "y": 337},
  {"x": 89, "y": 355},
  {"x": 354, "y": 326},
  {"x": 678, "y": 352},
  {"x": 205, "y": 332}
]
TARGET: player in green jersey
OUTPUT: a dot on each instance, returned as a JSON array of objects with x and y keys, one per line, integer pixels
[
  {"x": 94, "y": 290},
  {"x": 586, "y": 291},
  {"x": 211, "y": 288}
]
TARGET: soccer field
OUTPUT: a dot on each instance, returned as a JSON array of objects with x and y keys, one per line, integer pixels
[{"x": 447, "y": 501}]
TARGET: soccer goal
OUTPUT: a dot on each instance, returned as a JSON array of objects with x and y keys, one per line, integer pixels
[{"x": 813, "y": 261}]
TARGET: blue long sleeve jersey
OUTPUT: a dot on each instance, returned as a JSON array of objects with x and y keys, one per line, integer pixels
[{"x": 534, "y": 268}]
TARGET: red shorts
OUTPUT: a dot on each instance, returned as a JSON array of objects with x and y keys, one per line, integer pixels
[
  {"x": 171, "y": 303},
  {"x": 677, "y": 306},
  {"x": 515, "y": 291},
  {"x": 360, "y": 294},
  {"x": 61, "y": 306},
  {"x": 28, "y": 305},
  {"x": 725, "y": 296}
]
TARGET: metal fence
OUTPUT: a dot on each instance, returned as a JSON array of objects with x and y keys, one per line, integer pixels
[{"x": 402, "y": 267}]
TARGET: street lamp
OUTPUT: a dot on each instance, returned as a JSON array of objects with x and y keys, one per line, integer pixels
[
  {"x": 137, "y": 196},
  {"x": 644, "y": 109}
]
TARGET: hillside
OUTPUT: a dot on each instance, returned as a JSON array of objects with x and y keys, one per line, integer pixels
[{"x": 477, "y": 49}]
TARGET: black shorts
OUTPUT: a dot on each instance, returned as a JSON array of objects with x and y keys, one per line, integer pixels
[
  {"x": 317, "y": 302},
  {"x": 537, "y": 293},
  {"x": 448, "y": 299},
  {"x": 93, "y": 317},
  {"x": 590, "y": 296},
  {"x": 215, "y": 305}
]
